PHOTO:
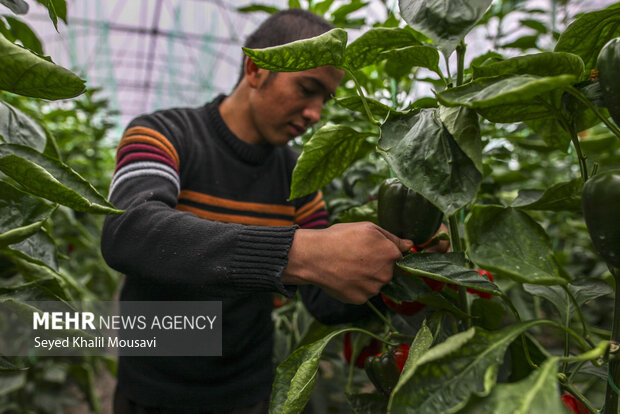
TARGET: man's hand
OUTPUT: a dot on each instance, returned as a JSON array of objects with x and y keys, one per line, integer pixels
[
  {"x": 350, "y": 261},
  {"x": 442, "y": 246}
]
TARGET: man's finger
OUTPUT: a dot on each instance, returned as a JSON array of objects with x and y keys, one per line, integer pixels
[{"x": 402, "y": 244}]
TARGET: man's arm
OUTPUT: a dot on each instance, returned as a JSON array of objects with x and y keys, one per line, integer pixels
[
  {"x": 349, "y": 261},
  {"x": 162, "y": 245}
]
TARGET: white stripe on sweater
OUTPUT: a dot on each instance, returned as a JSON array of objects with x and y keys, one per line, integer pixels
[
  {"x": 144, "y": 165},
  {"x": 143, "y": 173}
]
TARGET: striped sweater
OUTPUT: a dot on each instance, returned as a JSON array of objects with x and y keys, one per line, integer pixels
[{"x": 207, "y": 218}]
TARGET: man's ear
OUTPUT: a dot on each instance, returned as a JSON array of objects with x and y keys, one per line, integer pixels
[{"x": 253, "y": 73}]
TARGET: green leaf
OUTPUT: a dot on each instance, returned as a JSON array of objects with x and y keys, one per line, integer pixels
[
  {"x": 51, "y": 179},
  {"x": 426, "y": 158},
  {"x": 33, "y": 269},
  {"x": 39, "y": 246},
  {"x": 462, "y": 123},
  {"x": 6, "y": 365},
  {"x": 400, "y": 62},
  {"x": 487, "y": 314},
  {"x": 22, "y": 32},
  {"x": 55, "y": 9},
  {"x": 296, "y": 375},
  {"x": 523, "y": 43},
  {"x": 326, "y": 49},
  {"x": 47, "y": 288},
  {"x": 60, "y": 7},
  {"x": 23, "y": 312},
  {"x": 447, "y": 267},
  {"x": 564, "y": 196},
  {"x": 538, "y": 393},
  {"x": 258, "y": 7},
  {"x": 84, "y": 376},
  {"x": 426, "y": 102},
  {"x": 540, "y": 64},
  {"x": 367, "y": 403},
  {"x": 421, "y": 343},
  {"x": 405, "y": 286},
  {"x": 551, "y": 131},
  {"x": 509, "y": 98},
  {"x": 366, "y": 212},
  {"x": 16, "y": 6},
  {"x": 449, "y": 374},
  {"x": 409, "y": 287},
  {"x": 321, "y": 7},
  {"x": 325, "y": 156},
  {"x": 354, "y": 103},
  {"x": 368, "y": 48},
  {"x": 511, "y": 243},
  {"x": 445, "y": 21},
  {"x": 519, "y": 365},
  {"x": 586, "y": 36},
  {"x": 535, "y": 24},
  {"x": 11, "y": 381},
  {"x": 21, "y": 215},
  {"x": 24, "y": 73},
  {"x": 583, "y": 290},
  {"x": 342, "y": 12},
  {"x": 486, "y": 59},
  {"x": 18, "y": 128}
]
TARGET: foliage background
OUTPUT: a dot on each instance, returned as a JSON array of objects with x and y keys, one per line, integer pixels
[{"x": 515, "y": 157}]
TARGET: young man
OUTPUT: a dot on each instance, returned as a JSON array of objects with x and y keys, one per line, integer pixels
[{"x": 207, "y": 218}]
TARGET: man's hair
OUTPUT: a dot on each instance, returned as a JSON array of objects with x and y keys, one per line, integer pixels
[{"x": 284, "y": 27}]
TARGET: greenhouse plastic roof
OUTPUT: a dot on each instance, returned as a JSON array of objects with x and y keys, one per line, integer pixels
[{"x": 152, "y": 54}]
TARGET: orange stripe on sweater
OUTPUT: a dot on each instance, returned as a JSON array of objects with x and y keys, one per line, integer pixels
[
  {"x": 309, "y": 208},
  {"x": 231, "y": 218},
  {"x": 236, "y": 205},
  {"x": 137, "y": 134}
]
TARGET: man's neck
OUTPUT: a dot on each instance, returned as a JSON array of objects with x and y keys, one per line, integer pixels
[{"x": 235, "y": 111}]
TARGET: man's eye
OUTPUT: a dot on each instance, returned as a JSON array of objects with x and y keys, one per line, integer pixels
[{"x": 306, "y": 91}]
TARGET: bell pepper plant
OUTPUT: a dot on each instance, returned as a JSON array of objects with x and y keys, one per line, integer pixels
[{"x": 513, "y": 151}]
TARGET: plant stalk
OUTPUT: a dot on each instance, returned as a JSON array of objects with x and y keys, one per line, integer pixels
[
  {"x": 460, "y": 62},
  {"x": 363, "y": 98},
  {"x": 457, "y": 246},
  {"x": 515, "y": 312},
  {"x": 455, "y": 237},
  {"x": 584, "y": 325},
  {"x": 583, "y": 167},
  {"x": 584, "y": 100},
  {"x": 382, "y": 317},
  {"x": 579, "y": 396},
  {"x": 611, "y": 397}
]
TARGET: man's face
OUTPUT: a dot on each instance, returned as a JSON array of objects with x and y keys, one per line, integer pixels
[{"x": 285, "y": 105}]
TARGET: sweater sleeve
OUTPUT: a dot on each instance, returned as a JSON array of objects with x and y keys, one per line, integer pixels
[
  {"x": 312, "y": 214},
  {"x": 154, "y": 241}
]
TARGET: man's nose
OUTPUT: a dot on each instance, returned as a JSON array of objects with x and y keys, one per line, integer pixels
[{"x": 312, "y": 111}]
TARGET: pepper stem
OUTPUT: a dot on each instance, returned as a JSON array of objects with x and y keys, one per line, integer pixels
[
  {"x": 363, "y": 98},
  {"x": 611, "y": 396},
  {"x": 460, "y": 62},
  {"x": 457, "y": 246},
  {"x": 382, "y": 317}
]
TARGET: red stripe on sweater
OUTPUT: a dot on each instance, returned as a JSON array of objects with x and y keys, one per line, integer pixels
[
  {"x": 131, "y": 148},
  {"x": 322, "y": 223},
  {"x": 316, "y": 216},
  {"x": 144, "y": 156}
]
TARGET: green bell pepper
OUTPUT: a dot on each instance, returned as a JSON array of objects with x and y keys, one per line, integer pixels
[
  {"x": 608, "y": 64},
  {"x": 407, "y": 214},
  {"x": 600, "y": 200}
]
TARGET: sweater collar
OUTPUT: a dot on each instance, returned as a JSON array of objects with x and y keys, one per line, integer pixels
[{"x": 252, "y": 154}]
